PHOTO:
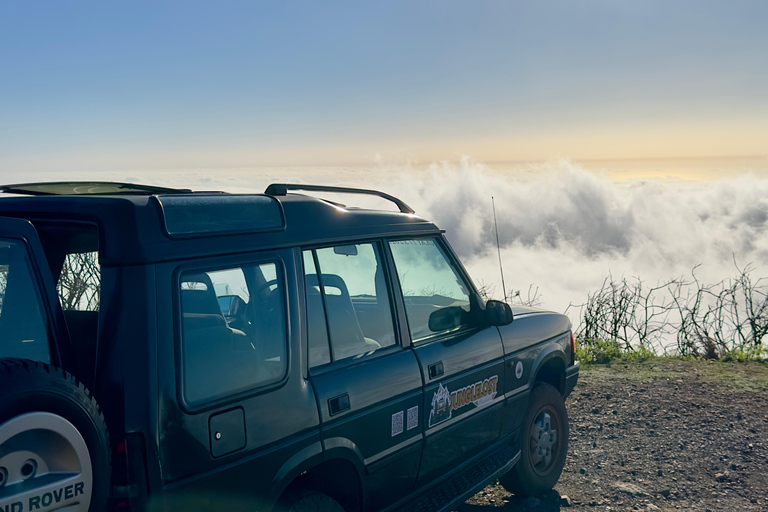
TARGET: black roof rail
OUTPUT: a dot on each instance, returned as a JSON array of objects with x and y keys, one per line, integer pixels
[{"x": 281, "y": 189}]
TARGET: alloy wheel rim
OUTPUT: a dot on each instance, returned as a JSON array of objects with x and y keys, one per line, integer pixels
[
  {"x": 45, "y": 465},
  {"x": 543, "y": 441}
]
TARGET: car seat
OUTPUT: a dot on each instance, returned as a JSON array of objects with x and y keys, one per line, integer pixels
[{"x": 347, "y": 337}]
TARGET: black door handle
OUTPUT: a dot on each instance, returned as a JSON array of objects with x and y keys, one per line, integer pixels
[
  {"x": 338, "y": 404},
  {"x": 436, "y": 370}
]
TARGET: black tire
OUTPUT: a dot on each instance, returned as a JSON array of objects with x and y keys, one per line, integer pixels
[
  {"x": 33, "y": 390},
  {"x": 312, "y": 501},
  {"x": 535, "y": 474}
]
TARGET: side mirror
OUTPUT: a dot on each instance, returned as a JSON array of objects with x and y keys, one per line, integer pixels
[
  {"x": 498, "y": 313},
  {"x": 445, "y": 319},
  {"x": 231, "y": 305}
]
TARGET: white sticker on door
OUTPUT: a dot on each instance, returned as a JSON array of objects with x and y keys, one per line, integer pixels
[
  {"x": 413, "y": 417},
  {"x": 397, "y": 423}
]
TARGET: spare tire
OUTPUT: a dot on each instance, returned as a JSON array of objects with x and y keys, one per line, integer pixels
[{"x": 54, "y": 445}]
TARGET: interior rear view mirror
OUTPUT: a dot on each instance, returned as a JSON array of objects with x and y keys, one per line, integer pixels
[{"x": 346, "y": 250}]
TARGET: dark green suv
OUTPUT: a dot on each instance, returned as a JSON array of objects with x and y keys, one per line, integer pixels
[{"x": 170, "y": 350}]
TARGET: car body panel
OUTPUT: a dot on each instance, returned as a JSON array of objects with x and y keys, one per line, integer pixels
[
  {"x": 399, "y": 433},
  {"x": 462, "y": 407},
  {"x": 381, "y": 392},
  {"x": 279, "y": 421}
]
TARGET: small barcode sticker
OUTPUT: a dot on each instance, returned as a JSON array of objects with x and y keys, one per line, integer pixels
[{"x": 397, "y": 423}]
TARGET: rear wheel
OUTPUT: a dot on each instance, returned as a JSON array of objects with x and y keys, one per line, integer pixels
[
  {"x": 312, "y": 501},
  {"x": 54, "y": 446},
  {"x": 544, "y": 444}
]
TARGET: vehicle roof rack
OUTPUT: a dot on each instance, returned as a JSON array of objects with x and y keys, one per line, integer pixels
[
  {"x": 81, "y": 188},
  {"x": 281, "y": 189}
]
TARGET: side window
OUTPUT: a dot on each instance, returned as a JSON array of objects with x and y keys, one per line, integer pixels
[
  {"x": 80, "y": 282},
  {"x": 317, "y": 329},
  {"x": 436, "y": 297},
  {"x": 233, "y": 330},
  {"x": 347, "y": 297},
  {"x": 23, "y": 331}
]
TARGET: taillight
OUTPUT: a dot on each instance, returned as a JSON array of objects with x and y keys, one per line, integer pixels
[
  {"x": 120, "y": 462},
  {"x": 122, "y": 506},
  {"x": 573, "y": 348},
  {"x": 120, "y": 494},
  {"x": 127, "y": 492}
]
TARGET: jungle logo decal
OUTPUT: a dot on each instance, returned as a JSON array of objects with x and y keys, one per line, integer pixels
[
  {"x": 444, "y": 402},
  {"x": 441, "y": 406}
]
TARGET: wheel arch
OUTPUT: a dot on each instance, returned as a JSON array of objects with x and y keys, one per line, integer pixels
[
  {"x": 550, "y": 368},
  {"x": 337, "y": 473}
]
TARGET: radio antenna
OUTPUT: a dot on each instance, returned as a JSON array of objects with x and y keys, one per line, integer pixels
[{"x": 498, "y": 248}]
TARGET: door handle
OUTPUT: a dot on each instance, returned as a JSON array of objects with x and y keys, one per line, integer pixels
[
  {"x": 338, "y": 404},
  {"x": 436, "y": 370}
]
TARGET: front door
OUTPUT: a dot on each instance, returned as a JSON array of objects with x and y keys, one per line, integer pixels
[
  {"x": 462, "y": 362},
  {"x": 368, "y": 385}
]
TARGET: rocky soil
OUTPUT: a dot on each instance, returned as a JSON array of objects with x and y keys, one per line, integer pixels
[{"x": 659, "y": 435}]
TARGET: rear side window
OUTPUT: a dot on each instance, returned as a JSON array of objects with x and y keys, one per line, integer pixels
[
  {"x": 233, "y": 330},
  {"x": 79, "y": 283},
  {"x": 23, "y": 331},
  {"x": 347, "y": 297}
]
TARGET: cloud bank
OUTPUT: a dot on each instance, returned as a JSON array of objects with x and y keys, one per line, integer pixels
[
  {"x": 561, "y": 228},
  {"x": 564, "y": 229}
]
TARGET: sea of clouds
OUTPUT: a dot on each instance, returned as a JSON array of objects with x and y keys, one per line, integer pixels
[
  {"x": 565, "y": 229},
  {"x": 562, "y": 229}
]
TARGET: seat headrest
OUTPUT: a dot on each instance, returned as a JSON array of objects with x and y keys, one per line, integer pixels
[{"x": 329, "y": 281}]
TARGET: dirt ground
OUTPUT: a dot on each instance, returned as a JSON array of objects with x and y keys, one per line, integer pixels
[{"x": 659, "y": 435}]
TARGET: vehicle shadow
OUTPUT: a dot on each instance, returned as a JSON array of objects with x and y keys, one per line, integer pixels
[{"x": 549, "y": 502}]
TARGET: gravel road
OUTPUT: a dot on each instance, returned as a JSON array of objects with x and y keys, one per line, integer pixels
[{"x": 659, "y": 435}]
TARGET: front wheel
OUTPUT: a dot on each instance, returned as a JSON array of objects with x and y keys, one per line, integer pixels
[{"x": 544, "y": 444}]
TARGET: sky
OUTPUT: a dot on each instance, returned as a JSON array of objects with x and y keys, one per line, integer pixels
[
  {"x": 120, "y": 86},
  {"x": 622, "y": 138}
]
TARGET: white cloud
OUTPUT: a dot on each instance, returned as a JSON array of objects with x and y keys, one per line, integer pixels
[{"x": 561, "y": 228}]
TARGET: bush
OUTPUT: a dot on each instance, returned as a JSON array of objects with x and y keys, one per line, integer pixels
[
  {"x": 746, "y": 353},
  {"x": 627, "y": 319},
  {"x": 599, "y": 351}
]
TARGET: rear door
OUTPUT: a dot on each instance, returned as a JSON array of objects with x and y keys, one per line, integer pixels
[
  {"x": 369, "y": 387},
  {"x": 462, "y": 362},
  {"x": 30, "y": 315}
]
